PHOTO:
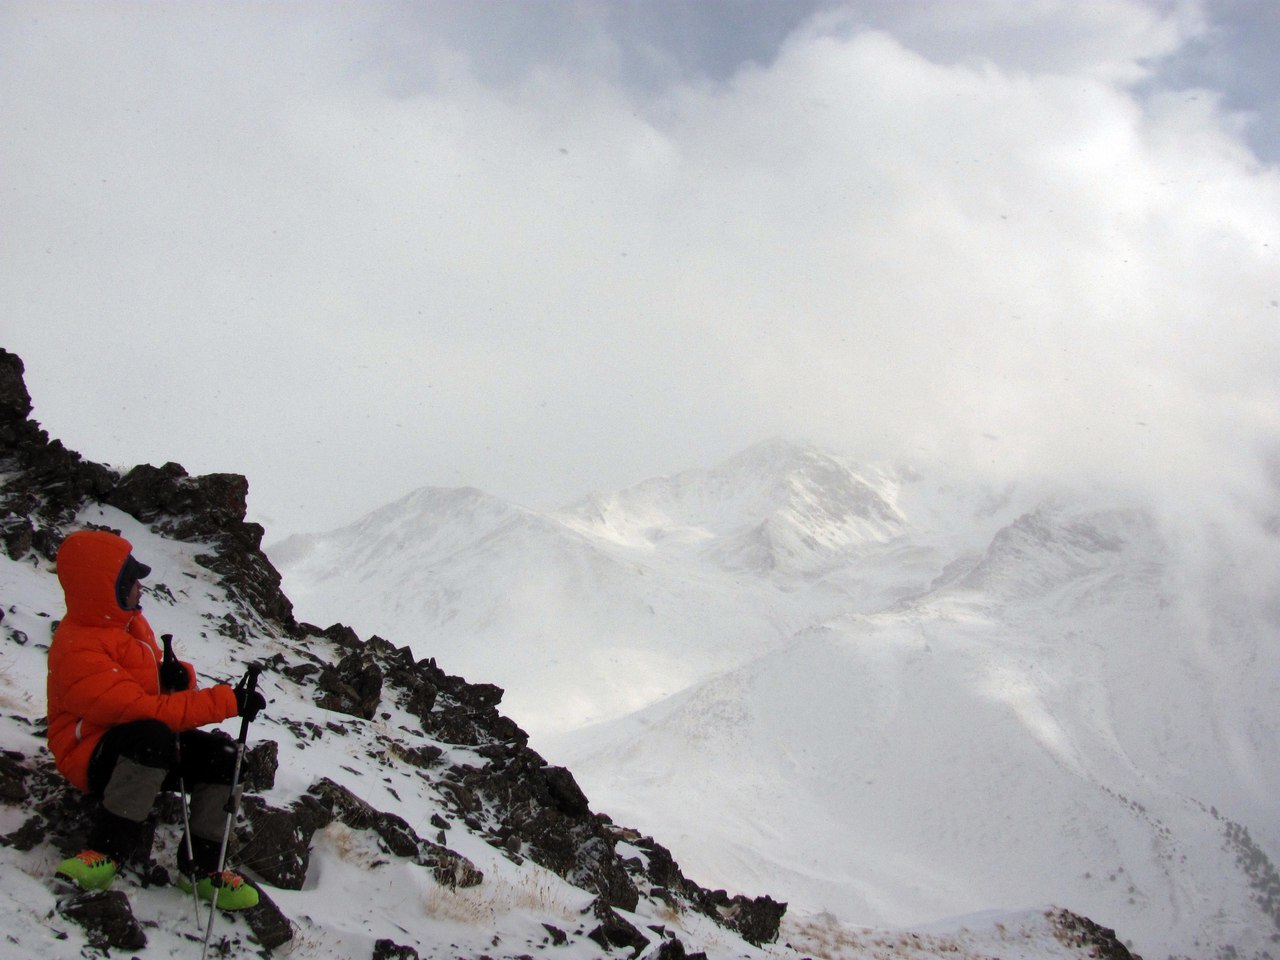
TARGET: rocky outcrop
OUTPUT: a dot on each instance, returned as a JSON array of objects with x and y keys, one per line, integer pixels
[
  {"x": 106, "y": 918},
  {"x": 756, "y": 919},
  {"x": 1077, "y": 931},
  {"x": 46, "y": 485},
  {"x": 516, "y": 800},
  {"x": 353, "y": 686},
  {"x": 15, "y": 401},
  {"x": 208, "y": 509},
  {"x": 276, "y": 843},
  {"x": 390, "y": 950},
  {"x": 613, "y": 931}
]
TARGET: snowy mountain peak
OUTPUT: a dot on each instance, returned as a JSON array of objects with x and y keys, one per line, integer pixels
[
  {"x": 1065, "y": 552},
  {"x": 777, "y": 506},
  {"x": 420, "y": 531}
]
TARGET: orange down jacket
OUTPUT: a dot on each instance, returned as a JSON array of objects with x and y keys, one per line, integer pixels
[{"x": 104, "y": 665}]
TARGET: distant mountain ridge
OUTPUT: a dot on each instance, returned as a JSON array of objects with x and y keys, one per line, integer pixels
[
  {"x": 777, "y": 506},
  {"x": 913, "y": 695},
  {"x": 785, "y": 532}
]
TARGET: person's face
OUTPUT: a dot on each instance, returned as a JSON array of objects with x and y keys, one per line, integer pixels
[{"x": 135, "y": 594}]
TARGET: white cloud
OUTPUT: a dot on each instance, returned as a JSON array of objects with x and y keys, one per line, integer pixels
[
  {"x": 1107, "y": 39},
  {"x": 242, "y": 240}
]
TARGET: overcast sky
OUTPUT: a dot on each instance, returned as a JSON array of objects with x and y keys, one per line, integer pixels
[{"x": 549, "y": 248}]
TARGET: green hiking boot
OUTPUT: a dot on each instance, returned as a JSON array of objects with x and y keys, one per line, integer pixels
[
  {"x": 234, "y": 893},
  {"x": 89, "y": 870}
]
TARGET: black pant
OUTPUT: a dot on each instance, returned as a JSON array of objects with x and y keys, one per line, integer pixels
[
  {"x": 197, "y": 756},
  {"x": 133, "y": 762}
]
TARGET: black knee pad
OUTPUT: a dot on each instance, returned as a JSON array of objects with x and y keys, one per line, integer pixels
[
  {"x": 222, "y": 761},
  {"x": 208, "y": 757},
  {"x": 148, "y": 742}
]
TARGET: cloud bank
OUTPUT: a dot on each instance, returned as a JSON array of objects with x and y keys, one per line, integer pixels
[{"x": 354, "y": 250}]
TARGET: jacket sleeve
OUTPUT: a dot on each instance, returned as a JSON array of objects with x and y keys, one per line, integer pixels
[{"x": 96, "y": 688}]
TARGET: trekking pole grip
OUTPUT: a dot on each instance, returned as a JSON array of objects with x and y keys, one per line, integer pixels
[{"x": 247, "y": 686}]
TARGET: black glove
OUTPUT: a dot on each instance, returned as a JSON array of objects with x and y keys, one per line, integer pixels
[
  {"x": 248, "y": 702},
  {"x": 173, "y": 676}
]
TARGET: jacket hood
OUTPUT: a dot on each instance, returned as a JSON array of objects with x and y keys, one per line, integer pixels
[{"x": 89, "y": 566}]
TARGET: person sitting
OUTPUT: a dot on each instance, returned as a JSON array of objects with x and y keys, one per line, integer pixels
[{"x": 123, "y": 724}]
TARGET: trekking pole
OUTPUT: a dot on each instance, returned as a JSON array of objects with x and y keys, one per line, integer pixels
[
  {"x": 248, "y": 685},
  {"x": 170, "y": 657}
]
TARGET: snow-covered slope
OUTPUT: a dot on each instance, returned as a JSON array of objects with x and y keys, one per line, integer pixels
[{"x": 888, "y": 695}]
